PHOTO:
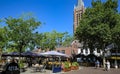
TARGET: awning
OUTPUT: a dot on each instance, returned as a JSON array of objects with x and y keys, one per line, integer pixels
[
  {"x": 115, "y": 58},
  {"x": 53, "y": 53}
]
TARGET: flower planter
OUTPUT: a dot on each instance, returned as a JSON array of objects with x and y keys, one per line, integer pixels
[
  {"x": 66, "y": 69},
  {"x": 74, "y": 67},
  {"x": 56, "y": 69}
]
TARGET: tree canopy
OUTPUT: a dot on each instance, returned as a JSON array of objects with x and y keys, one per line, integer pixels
[
  {"x": 54, "y": 39},
  {"x": 99, "y": 26},
  {"x": 21, "y": 33},
  {"x": 98, "y": 23}
]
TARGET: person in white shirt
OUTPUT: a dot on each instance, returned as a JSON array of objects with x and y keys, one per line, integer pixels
[{"x": 107, "y": 65}]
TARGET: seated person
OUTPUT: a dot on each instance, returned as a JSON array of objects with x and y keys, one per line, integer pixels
[{"x": 36, "y": 65}]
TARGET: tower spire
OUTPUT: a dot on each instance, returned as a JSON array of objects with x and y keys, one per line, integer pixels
[{"x": 80, "y": 3}]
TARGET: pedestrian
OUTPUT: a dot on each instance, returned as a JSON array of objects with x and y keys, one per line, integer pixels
[
  {"x": 97, "y": 64},
  {"x": 11, "y": 67},
  {"x": 107, "y": 65}
]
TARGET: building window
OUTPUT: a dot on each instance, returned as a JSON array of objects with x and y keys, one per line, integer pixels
[{"x": 63, "y": 51}]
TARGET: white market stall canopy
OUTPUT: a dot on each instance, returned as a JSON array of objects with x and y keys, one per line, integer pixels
[{"x": 53, "y": 53}]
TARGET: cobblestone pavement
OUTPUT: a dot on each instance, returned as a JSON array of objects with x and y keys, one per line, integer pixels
[
  {"x": 29, "y": 71},
  {"x": 82, "y": 70},
  {"x": 92, "y": 70}
]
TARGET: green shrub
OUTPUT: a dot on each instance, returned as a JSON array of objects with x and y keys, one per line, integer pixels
[
  {"x": 21, "y": 64},
  {"x": 67, "y": 64},
  {"x": 75, "y": 64}
]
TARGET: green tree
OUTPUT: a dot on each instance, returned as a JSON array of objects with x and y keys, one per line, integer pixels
[
  {"x": 3, "y": 40},
  {"x": 98, "y": 22},
  {"x": 116, "y": 33},
  {"x": 67, "y": 40},
  {"x": 54, "y": 39},
  {"x": 49, "y": 40},
  {"x": 21, "y": 31}
]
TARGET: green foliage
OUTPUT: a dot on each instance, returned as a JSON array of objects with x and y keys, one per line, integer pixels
[
  {"x": 67, "y": 40},
  {"x": 51, "y": 40},
  {"x": 2, "y": 38},
  {"x": 21, "y": 64},
  {"x": 116, "y": 33},
  {"x": 20, "y": 31},
  {"x": 75, "y": 64},
  {"x": 97, "y": 24},
  {"x": 67, "y": 64}
]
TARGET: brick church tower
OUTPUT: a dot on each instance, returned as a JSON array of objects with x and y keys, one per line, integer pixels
[{"x": 79, "y": 9}]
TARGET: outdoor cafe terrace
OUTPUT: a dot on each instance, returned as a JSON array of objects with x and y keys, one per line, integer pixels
[{"x": 51, "y": 60}]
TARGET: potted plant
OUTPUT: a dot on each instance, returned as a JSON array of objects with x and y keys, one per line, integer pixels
[
  {"x": 56, "y": 67},
  {"x": 21, "y": 65},
  {"x": 74, "y": 66},
  {"x": 66, "y": 66}
]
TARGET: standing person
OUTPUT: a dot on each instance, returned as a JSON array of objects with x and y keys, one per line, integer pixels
[
  {"x": 107, "y": 65},
  {"x": 97, "y": 64}
]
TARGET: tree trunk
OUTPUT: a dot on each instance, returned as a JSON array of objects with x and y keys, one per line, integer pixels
[
  {"x": 0, "y": 53},
  {"x": 20, "y": 49},
  {"x": 104, "y": 61}
]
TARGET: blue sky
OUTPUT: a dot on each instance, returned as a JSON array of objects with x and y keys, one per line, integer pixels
[{"x": 56, "y": 14}]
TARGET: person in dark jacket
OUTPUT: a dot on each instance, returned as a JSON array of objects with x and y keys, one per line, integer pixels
[{"x": 11, "y": 68}]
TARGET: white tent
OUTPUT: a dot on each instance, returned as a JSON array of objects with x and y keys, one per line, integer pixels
[{"x": 53, "y": 53}]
